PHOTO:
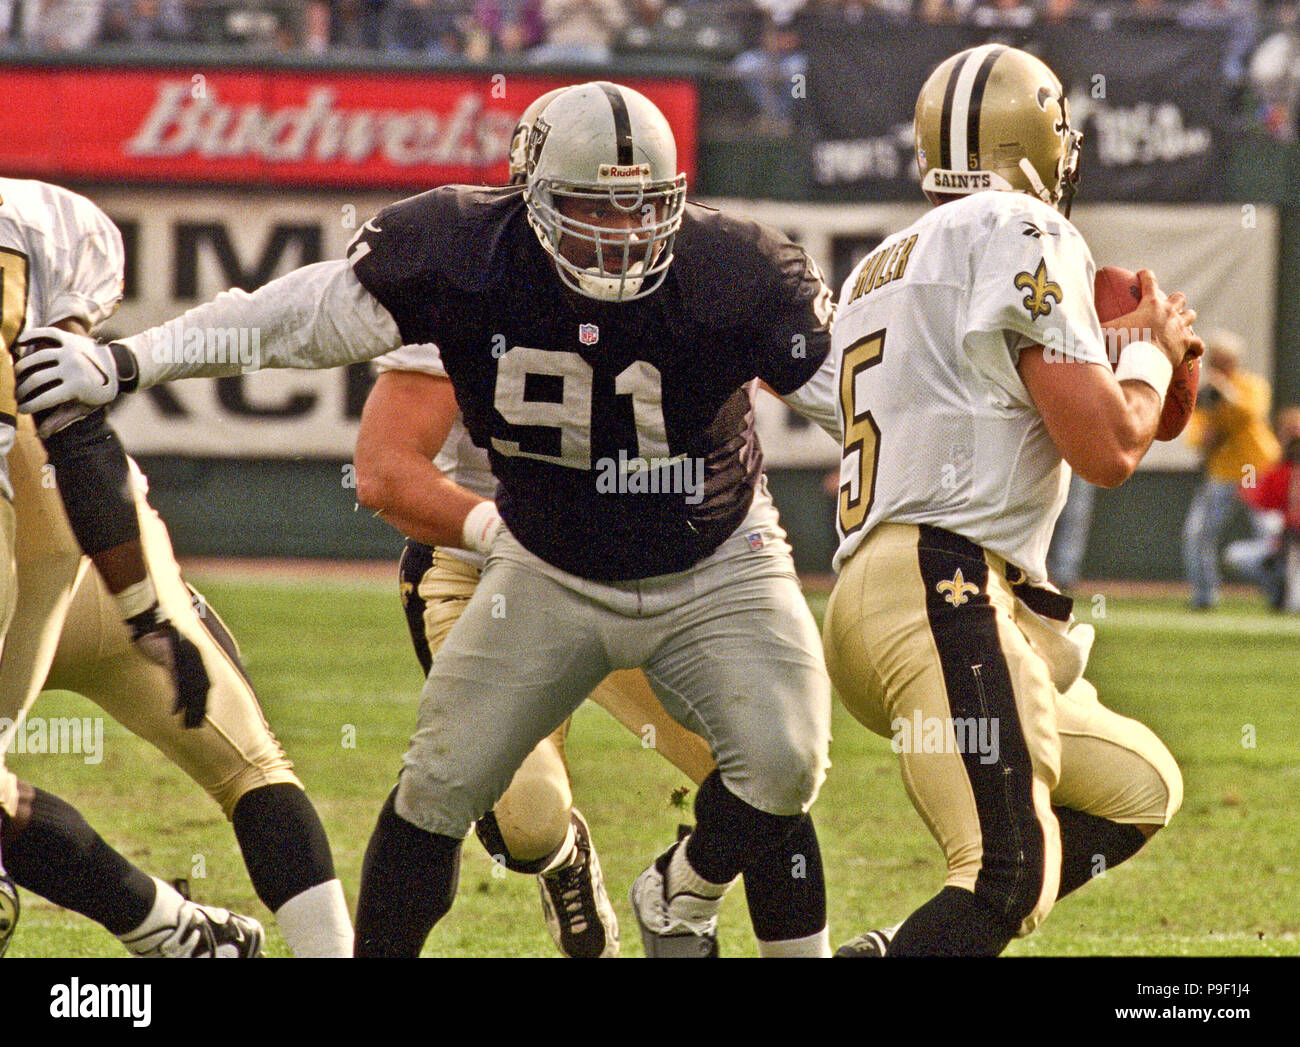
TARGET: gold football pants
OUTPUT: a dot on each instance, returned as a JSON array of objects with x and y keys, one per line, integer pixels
[
  {"x": 923, "y": 646},
  {"x": 67, "y": 635}
]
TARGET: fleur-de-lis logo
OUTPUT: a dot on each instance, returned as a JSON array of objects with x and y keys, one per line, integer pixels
[
  {"x": 957, "y": 591},
  {"x": 1040, "y": 290}
]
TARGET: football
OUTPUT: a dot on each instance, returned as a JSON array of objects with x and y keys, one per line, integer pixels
[{"x": 1117, "y": 292}]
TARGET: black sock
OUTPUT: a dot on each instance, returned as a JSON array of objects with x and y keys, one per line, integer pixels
[
  {"x": 785, "y": 887},
  {"x": 778, "y": 855},
  {"x": 1091, "y": 845},
  {"x": 61, "y": 858},
  {"x": 953, "y": 923},
  {"x": 408, "y": 881},
  {"x": 283, "y": 841}
]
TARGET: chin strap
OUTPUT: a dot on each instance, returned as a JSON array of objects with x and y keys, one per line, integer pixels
[{"x": 1035, "y": 183}]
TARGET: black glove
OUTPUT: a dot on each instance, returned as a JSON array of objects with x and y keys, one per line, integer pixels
[{"x": 160, "y": 642}]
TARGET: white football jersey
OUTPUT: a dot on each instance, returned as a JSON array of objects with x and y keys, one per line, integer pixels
[
  {"x": 460, "y": 459},
  {"x": 938, "y": 427},
  {"x": 60, "y": 258}
]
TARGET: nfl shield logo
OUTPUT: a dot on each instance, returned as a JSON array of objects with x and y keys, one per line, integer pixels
[
  {"x": 588, "y": 334},
  {"x": 755, "y": 539}
]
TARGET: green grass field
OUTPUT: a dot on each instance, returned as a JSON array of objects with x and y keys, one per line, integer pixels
[{"x": 338, "y": 683}]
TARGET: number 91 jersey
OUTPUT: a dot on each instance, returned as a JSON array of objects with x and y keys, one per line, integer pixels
[
  {"x": 938, "y": 427},
  {"x": 622, "y": 432}
]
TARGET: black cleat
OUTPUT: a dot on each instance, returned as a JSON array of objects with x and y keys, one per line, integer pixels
[
  {"x": 865, "y": 946},
  {"x": 577, "y": 909}
]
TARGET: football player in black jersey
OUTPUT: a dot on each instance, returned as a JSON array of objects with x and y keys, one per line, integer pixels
[{"x": 604, "y": 340}]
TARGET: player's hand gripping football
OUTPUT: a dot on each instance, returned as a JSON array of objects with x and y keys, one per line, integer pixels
[
  {"x": 159, "y": 641},
  {"x": 57, "y": 366},
  {"x": 1165, "y": 320}
]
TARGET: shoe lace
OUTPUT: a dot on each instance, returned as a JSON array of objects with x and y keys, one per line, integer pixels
[{"x": 570, "y": 886}]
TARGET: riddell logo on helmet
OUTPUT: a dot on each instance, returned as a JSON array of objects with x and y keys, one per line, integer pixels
[{"x": 620, "y": 172}]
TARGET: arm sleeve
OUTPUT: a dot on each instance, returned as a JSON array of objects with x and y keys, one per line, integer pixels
[
  {"x": 93, "y": 479},
  {"x": 426, "y": 359},
  {"x": 818, "y": 398},
  {"x": 1032, "y": 281},
  {"x": 317, "y": 316},
  {"x": 792, "y": 339},
  {"x": 89, "y": 287}
]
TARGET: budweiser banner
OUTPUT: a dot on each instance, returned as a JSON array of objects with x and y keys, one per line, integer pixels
[
  {"x": 281, "y": 127},
  {"x": 184, "y": 246},
  {"x": 1149, "y": 98}
]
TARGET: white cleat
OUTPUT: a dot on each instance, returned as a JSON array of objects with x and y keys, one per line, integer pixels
[
  {"x": 684, "y": 926},
  {"x": 203, "y": 932}
]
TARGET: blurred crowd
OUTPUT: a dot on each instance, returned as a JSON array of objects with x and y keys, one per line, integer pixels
[{"x": 759, "y": 40}]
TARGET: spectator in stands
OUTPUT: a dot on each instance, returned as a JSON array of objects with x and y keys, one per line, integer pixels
[
  {"x": 426, "y": 27},
  {"x": 1275, "y": 77},
  {"x": 317, "y": 17},
  {"x": 1278, "y": 493},
  {"x": 1262, "y": 559},
  {"x": 504, "y": 27},
  {"x": 1003, "y": 14},
  {"x": 770, "y": 74},
  {"x": 1239, "y": 17},
  {"x": 145, "y": 21},
  {"x": 62, "y": 25},
  {"x": 1230, "y": 428},
  {"x": 581, "y": 31}
]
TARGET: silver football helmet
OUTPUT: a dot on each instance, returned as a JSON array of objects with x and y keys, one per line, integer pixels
[
  {"x": 519, "y": 139},
  {"x": 603, "y": 191}
]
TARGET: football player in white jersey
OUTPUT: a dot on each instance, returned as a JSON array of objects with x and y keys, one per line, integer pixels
[
  {"x": 97, "y": 632},
  {"x": 973, "y": 376},
  {"x": 52, "y": 252},
  {"x": 418, "y": 468}
]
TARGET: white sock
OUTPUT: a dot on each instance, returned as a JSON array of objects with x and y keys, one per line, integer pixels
[
  {"x": 683, "y": 877},
  {"x": 315, "y": 923},
  {"x": 566, "y": 852},
  {"x": 161, "y": 922},
  {"x": 815, "y": 945}
]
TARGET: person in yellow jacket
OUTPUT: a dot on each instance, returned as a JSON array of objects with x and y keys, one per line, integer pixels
[{"x": 1230, "y": 428}]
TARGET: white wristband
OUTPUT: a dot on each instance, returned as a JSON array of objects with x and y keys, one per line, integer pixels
[
  {"x": 481, "y": 527},
  {"x": 1143, "y": 362},
  {"x": 137, "y": 598}
]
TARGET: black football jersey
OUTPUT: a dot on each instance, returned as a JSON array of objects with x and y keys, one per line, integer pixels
[{"x": 622, "y": 433}]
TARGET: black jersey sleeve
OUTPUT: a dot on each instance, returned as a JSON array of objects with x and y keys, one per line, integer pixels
[
  {"x": 761, "y": 290},
  {"x": 412, "y": 252},
  {"x": 792, "y": 333}
]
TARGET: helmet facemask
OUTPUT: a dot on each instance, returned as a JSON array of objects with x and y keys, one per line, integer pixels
[
  {"x": 613, "y": 263},
  {"x": 603, "y": 192}
]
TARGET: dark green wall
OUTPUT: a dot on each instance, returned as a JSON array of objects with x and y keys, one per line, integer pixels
[{"x": 302, "y": 508}]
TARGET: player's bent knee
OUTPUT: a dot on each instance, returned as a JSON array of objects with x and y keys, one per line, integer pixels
[
  {"x": 274, "y": 771},
  {"x": 782, "y": 780},
  {"x": 1013, "y": 887},
  {"x": 533, "y": 817},
  {"x": 436, "y": 804}
]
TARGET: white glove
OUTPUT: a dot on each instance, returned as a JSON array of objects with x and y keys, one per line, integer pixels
[{"x": 57, "y": 366}]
